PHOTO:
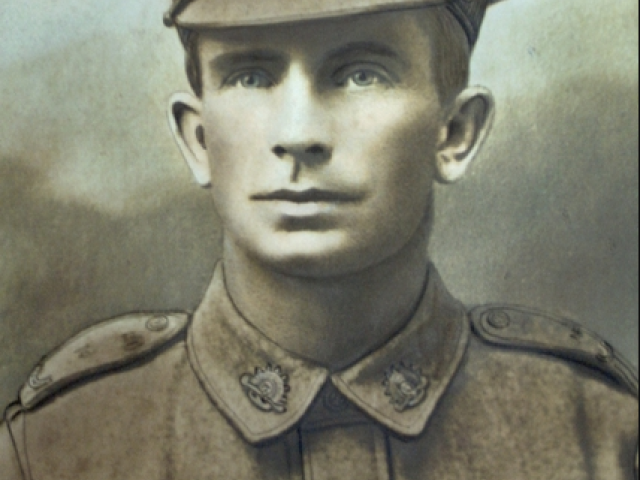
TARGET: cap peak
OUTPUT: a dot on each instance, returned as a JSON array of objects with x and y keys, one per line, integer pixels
[{"x": 208, "y": 14}]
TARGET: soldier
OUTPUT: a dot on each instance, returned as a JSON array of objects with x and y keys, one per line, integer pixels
[{"x": 327, "y": 346}]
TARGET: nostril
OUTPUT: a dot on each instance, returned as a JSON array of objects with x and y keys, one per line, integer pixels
[
  {"x": 315, "y": 149},
  {"x": 308, "y": 152},
  {"x": 279, "y": 151}
]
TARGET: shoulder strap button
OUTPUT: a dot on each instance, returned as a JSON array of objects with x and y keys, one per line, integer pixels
[
  {"x": 157, "y": 323},
  {"x": 498, "y": 319}
]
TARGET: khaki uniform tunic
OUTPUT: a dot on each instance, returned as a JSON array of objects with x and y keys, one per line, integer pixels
[{"x": 452, "y": 396}]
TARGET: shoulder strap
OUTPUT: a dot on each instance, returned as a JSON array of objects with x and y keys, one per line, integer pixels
[
  {"x": 99, "y": 348},
  {"x": 518, "y": 327}
]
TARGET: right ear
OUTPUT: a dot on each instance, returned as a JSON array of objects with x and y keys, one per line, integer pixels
[{"x": 185, "y": 121}]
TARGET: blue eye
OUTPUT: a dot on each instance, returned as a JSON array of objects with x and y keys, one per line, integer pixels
[
  {"x": 254, "y": 79},
  {"x": 364, "y": 78}
]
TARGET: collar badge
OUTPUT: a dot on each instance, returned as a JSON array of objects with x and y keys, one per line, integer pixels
[
  {"x": 267, "y": 388},
  {"x": 405, "y": 385}
]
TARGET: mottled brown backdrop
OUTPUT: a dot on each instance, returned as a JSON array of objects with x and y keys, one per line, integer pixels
[{"x": 99, "y": 216}]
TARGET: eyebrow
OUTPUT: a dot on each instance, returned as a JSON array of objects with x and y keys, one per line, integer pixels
[
  {"x": 229, "y": 60},
  {"x": 367, "y": 48}
]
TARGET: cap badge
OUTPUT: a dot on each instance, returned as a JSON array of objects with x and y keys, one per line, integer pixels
[
  {"x": 405, "y": 385},
  {"x": 267, "y": 388}
]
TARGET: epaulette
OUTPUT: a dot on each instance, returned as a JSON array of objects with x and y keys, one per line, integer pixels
[
  {"x": 104, "y": 346},
  {"x": 521, "y": 328}
]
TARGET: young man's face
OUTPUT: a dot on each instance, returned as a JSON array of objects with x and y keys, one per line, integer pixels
[{"x": 321, "y": 139}]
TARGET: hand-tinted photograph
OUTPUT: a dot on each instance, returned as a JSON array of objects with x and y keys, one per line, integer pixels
[{"x": 319, "y": 240}]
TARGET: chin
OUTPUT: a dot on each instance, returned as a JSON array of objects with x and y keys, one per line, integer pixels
[{"x": 309, "y": 254}]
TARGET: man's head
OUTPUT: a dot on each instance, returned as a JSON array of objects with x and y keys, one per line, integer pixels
[{"x": 321, "y": 138}]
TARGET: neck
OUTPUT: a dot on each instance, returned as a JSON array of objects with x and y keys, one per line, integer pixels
[{"x": 332, "y": 321}]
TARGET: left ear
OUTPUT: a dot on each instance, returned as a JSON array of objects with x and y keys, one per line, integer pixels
[{"x": 463, "y": 133}]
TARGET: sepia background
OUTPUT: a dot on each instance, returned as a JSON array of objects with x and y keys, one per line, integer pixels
[{"x": 99, "y": 216}]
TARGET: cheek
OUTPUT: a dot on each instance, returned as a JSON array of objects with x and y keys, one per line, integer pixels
[
  {"x": 392, "y": 141},
  {"x": 233, "y": 138}
]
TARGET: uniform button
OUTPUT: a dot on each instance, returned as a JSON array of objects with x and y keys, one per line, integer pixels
[
  {"x": 498, "y": 319},
  {"x": 157, "y": 324}
]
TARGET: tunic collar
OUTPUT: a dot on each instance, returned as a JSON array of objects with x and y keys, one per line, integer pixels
[{"x": 264, "y": 390}]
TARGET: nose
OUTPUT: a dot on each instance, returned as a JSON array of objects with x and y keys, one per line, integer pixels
[
  {"x": 301, "y": 130},
  {"x": 308, "y": 153}
]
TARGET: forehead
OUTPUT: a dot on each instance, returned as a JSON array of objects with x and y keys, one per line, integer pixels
[{"x": 405, "y": 33}]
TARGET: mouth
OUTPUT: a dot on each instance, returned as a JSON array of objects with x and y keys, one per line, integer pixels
[{"x": 312, "y": 195}]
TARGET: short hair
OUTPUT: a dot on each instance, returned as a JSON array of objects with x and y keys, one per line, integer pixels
[
  {"x": 450, "y": 53},
  {"x": 192, "y": 64}
]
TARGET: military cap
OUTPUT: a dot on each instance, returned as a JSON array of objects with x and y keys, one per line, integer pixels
[{"x": 198, "y": 14}]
